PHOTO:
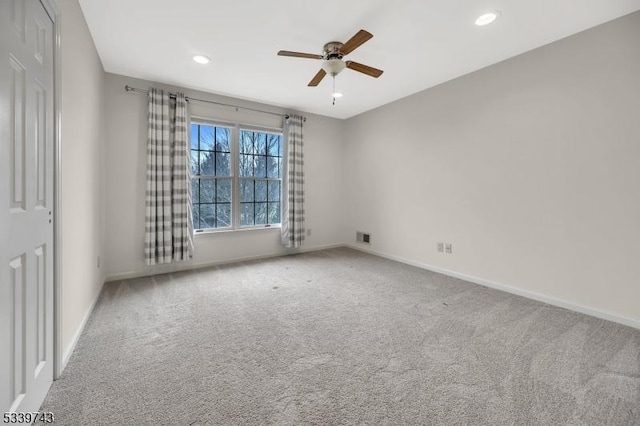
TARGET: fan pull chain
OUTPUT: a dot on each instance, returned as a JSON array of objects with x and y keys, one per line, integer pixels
[{"x": 333, "y": 94}]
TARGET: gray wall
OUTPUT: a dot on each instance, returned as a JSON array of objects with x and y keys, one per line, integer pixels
[
  {"x": 530, "y": 168},
  {"x": 83, "y": 199},
  {"x": 126, "y": 159}
]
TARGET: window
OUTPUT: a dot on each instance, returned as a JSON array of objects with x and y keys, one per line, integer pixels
[
  {"x": 260, "y": 170},
  {"x": 236, "y": 176},
  {"x": 211, "y": 171}
]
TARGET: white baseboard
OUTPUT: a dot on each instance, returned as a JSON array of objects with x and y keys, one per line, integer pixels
[
  {"x": 318, "y": 248},
  {"x": 66, "y": 355},
  {"x": 509, "y": 289},
  {"x": 180, "y": 267},
  {"x": 476, "y": 280}
]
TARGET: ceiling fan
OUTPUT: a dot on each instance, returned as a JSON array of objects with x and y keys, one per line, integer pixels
[{"x": 332, "y": 55}]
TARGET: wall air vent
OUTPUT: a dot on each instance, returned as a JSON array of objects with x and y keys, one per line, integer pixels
[{"x": 363, "y": 238}]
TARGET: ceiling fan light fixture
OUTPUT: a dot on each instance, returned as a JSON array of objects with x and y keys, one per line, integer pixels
[
  {"x": 333, "y": 67},
  {"x": 201, "y": 59},
  {"x": 487, "y": 18},
  {"x": 332, "y": 63}
]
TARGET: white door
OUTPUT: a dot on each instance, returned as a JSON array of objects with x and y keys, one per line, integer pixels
[{"x": 26, "y": 204}]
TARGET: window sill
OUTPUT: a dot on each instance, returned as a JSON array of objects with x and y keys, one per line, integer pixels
[{"x": 231, "y": 230}]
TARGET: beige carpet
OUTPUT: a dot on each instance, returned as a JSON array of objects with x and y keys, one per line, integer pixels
[{"x": 341, "y": 337}]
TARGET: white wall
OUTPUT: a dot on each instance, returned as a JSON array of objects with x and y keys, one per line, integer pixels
[
  {"x": 126, "y": 159},
  {"x": 530, "y": 168},
  {"x": 83, "y": 130}
]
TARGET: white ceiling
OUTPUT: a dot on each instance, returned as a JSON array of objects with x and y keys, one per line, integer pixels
[{"x": 418, "y": 43}]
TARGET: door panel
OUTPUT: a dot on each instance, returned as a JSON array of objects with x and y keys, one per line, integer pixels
[
  {"x": 26, "y": 194},
  {"x": 18, "y": 321},
  {"x": 17, "y": 137}
]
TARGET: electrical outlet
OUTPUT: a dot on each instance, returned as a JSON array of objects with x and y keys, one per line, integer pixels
[
  {"x": 440, "y": 247},
  {"x": 308, "y": 232},
  {"x": 98, "y": 261},
  {"x": 447, "y": 248}
]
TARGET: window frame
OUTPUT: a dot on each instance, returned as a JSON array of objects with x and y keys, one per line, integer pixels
[
  {"x": 199, "y": 121},
  {"x": 236, "y": 206}
]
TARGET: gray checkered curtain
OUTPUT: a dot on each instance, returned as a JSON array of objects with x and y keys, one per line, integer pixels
[
  {"x": 182, "y": 219},
  {"x": 293, "y": 209},
  {"x": 168, "y": 220}
]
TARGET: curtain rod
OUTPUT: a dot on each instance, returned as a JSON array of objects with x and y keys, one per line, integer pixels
[{"x": 189, "y": 98}]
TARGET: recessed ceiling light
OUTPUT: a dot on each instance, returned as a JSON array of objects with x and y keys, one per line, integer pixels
[
  {"x": 487, "y": 18},
  {"x": 201, "y": 59},
  {"x": 337, "y": 94}
]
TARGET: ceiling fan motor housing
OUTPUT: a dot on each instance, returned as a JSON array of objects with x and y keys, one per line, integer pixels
[
  {"x": 333, "y": 63},
  {"x": 332, "y": 50}
]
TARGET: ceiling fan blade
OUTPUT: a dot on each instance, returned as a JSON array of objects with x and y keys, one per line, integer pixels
[
  {"x": 299, "y": 55},
  {"x": 364, "y": 69},
  {"x": 355, "y": 41},
  {"x": 317, "y": 78}
]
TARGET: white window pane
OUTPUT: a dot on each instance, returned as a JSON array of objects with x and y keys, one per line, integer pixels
[
  {"x": 207, "y": 190},
  {"x": 274, "y": 212},
  {"x": 261, "y": 213},
  {"x": 223, "y": 212},
  {"x": 261, "y": 143},
  {"x": 207, "y": 216},
  {"x": 196, "y": 216},
  {"x": 206, "y": 137},
  {"x": 261, "y": 190},
  {"x": 246, "y": 142},
  {"x": 195, "y": 190},
  {"x": 273, "y": 145},
  {"x": 194, "y": 136},
  {"x": 195, "y": 164},
  {"x": 223, "y": 190},
  {"x": 260, "y": 166},
  {"x": 274, "y": 190},
  {"x": 246, "y": 190},
  {"x": 246, "y": 214},
  {"x": 273, "y": 167},
  {"x": 246, "y": 165},
  {"x": 223, "y": 135},
  {"x": 206, "y": 163},
  {"x": 223, "y": 164}
]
